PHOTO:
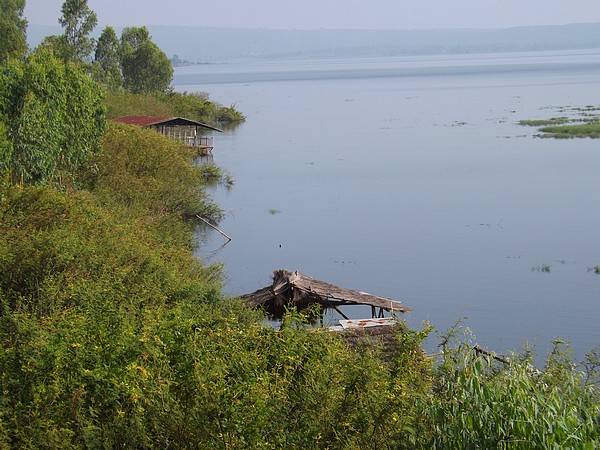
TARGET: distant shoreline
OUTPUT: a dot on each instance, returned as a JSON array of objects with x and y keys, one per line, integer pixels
[{"x": 209, "y": 44}]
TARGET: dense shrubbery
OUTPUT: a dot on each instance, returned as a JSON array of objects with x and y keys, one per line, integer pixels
[
  {"x": 479, "y": 402},
  {"x": 196, "y": 376},
  {"x": 59, "y": 250},
  {"x": 195, "y": 106},
  {"x": 113, "y": 336},
  {"x": 53, "y": 117},
  {"x": 191, "y": 375},
  {"x": 141, "y": 169}
]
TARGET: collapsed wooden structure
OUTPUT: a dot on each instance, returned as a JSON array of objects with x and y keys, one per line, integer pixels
[
  {"x": 179, "y": 129},
  {"x": 300, "y": 291}
]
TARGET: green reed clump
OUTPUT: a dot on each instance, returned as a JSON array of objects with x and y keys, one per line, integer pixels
[
  {"x": 544, "y": 122},
  {"x": 587, "y": 124},
  {"x": 589, "y": 130},
  {"x": 479, "y": 402}
]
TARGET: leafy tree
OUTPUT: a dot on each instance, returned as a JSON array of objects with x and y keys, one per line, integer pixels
[
  {"x": 56, "y": 45},
  {"x": 13, "y": 28},
  {"x": 54, "y": 119},
  {"x": 106, "y": 59},
  {"x": 146, "y": 68},
  {"x": 132, "y": 37},
  {"x": 78, "y": 20}
]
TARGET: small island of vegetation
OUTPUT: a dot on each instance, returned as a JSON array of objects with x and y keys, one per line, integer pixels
[
  {"x": 585, "y": 125},
  {"x": 113, "y": 335}
]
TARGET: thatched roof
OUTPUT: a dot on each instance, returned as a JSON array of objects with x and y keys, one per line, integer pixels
[{"x": 296, "y": 289}]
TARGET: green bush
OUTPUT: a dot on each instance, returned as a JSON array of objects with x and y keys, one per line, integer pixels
[
  {"x": 53, "y": 118},
  {"x": 481, "y": 403},
  {"x": 192, "y": 376},
  {"x": 148, "y": 173},
  {"x": 195, "y": 106},
  {"x": 60, "y": 250}
]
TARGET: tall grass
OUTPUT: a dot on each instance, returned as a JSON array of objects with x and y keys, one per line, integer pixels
[
  {"x": 590, "y": 130},
  {"x": 195, "y": 106},
  {"x": 566, "y": 128},
  {"x": 479, "y": 402}
]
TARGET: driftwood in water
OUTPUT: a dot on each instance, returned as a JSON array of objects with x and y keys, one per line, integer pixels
[
  {"x": 212, "y": 226},
  {"x": 298, "y": 290}
]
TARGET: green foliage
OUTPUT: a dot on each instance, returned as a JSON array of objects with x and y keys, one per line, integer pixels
[
  {"x": 590, "y": 130},
  {"x": 78, "y": 21},
  {"x": 481, "y": 403},
  {"x": 145, "y": 67},
  {"x": 195, "y": 106},
  {"x": 151, "y": 175},
  {"x": 105, "y": 68},
  {"x": 54, "y": 118},
  {"x": 542, "y": 122},
  {"x": 55, "y": 45},
  {"x": 133, "y": 37},
  {"x": 587, "y": 124},
  {"x": 13, "y": 28},
  {"x": 5, "y": 155},
  {"x": 192, "y": 376},
  {"x": 60, "y": 250},
  {"x": 595, "y": 269},
  {"x": 122, "y": 103},
  {"x": 112, "y": 335},
  {"x": 146, "y": 73}
]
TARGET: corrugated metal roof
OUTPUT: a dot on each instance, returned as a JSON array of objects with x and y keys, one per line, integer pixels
[{"x": 147, "y": 121}]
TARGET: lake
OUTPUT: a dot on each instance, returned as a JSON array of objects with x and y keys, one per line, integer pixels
[{"x": 410, "y": 178}]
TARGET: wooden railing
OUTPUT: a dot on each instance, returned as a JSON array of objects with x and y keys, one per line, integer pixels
[{"x": 199, "y": 141}]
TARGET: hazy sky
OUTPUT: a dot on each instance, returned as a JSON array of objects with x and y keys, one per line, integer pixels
[{"x": 310, "y": 14}]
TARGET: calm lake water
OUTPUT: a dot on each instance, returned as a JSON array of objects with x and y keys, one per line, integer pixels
[{"x": 410, "y": 178}]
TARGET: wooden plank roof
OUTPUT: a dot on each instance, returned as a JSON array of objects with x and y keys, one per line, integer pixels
[
  {"x": 152, "y": 121},
  {"x": 296, "y": 289}
]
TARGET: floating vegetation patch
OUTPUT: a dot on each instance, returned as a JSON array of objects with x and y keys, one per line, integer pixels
[
  {"x": 595, "y": 269},
  {"x": 274, "y": 211},
  {"x": 589, "y": 108},
  {"x": 544, "y": 122},
  {"x": 586, "y": 130},
  {"x": 544, "y": 268},
  {"x": 582, "y": 122}
]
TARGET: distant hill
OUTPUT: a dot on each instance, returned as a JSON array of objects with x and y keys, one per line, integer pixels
[{"x": 206, "y": 44}]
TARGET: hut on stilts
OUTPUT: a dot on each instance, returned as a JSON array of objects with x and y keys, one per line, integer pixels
[
  {"x": 179, "y": 129},
  {"x": 293, "y": 289}
]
